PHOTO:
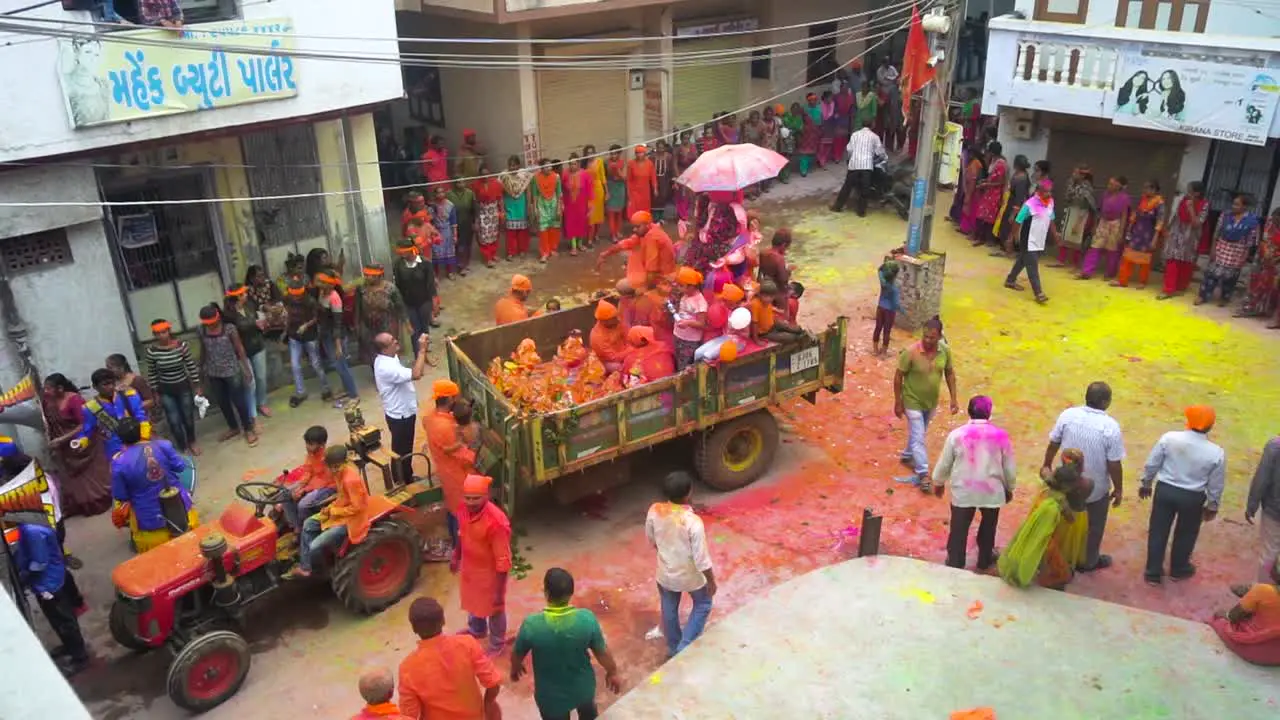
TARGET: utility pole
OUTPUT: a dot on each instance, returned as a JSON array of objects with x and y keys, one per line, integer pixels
[{"x": 922, "y": 270}]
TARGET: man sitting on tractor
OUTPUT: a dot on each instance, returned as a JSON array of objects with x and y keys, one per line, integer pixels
[
  {"x": 346, "y": 518},
  {"x": 145, "y": 483},
  {"x": 311, "y": 483}
]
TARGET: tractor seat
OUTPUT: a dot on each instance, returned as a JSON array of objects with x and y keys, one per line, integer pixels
[{"x": 179, "y": 561}]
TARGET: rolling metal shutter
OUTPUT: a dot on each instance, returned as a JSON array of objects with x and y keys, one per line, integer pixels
[
  {"x": 701, "y": 91},
  {"x": 580, "y": 107},
  {"x": 1109, "y": 156}
]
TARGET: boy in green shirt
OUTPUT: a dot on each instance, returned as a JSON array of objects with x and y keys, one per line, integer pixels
[{"x": 559, "y": 638}]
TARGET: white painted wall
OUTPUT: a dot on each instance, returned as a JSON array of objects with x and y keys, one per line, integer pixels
[
  {"x": 35, "y": 124},
  {"x": 1035, "y": 149},
  {"x": 1249, "y": 18},
  {"x": 31, "y": 688}
]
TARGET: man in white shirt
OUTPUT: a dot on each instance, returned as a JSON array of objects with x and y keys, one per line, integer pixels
[
  {"x": 977, "y": 464},
  {"x": 399, "y": 396},
  {"x": 1097, "y": 435},
  {"x": 865, "y": 151},
  {"x": 1189, "y": 473},
  {"x": 684, "y": 564}
]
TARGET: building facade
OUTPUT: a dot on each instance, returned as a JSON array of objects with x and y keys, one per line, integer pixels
[
  {"x": 666, "y": 74},
  {"x": 1170, "y": 90},
  {"x": 193, "y": 154}
]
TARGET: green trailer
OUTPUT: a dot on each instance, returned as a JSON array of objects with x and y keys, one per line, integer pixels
[{"x": 726, "y": 405}]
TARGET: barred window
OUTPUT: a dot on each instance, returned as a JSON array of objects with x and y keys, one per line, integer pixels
[
  {"x": 284, "y": 161},
  {"x": 29, "y": 253}
]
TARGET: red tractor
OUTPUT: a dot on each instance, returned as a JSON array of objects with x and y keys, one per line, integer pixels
[{"x": 190, "y": 595}]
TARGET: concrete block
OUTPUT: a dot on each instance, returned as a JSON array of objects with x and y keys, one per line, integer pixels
[{"x": 920, "y": 286}]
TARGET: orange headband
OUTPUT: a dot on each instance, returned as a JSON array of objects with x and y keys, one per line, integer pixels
[
  {"x": 407, "y": 251},
  {"x": 238, "y": 292},
  {"x": 211, "y": 321},
  {"x": 295, "y": 291},
  {"x": 162, "y": 326},
  {"x": 327, "y": 278},
  {"x": 373, "y": 272}
]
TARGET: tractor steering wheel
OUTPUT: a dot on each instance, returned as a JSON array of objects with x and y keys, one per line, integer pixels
[{"x": 262, "y": 495}]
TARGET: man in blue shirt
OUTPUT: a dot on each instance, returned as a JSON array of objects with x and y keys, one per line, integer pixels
[
  {"x": 39, "y": 558},
  {"x": 104, "y": 412},
  {"x": 139, "y": 474}
]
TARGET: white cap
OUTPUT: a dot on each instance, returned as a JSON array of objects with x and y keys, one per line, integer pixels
[{"x": 740, "y": 319}]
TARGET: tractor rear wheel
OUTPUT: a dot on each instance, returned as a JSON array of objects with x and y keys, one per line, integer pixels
[
  {"x": 208, "y": 670},
  {"x": 124, "y": 627},
  {"x": 736, "y": 453},
  {"x": 373, "y": 575}
]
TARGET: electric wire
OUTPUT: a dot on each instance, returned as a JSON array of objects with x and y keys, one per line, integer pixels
[{"x": 417, "y": 186}]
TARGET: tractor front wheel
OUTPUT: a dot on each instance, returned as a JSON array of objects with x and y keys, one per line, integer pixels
[
  {"x": 124, "y": 627},
  {"x": 373, "y": 575},
  {"x": 208, "y": 670},
  {"x": 736, "y": 453}
]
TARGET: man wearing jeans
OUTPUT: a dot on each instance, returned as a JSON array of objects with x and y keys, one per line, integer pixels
[
  {"x": 416, "y": 281},
  {"x": 1097, "y": 435},
  {"x": 684, "y": 564},
  {"x": 399, "y": 395},
  {"x": 1189, "y": 473},
  {"x": 916, "y": 385},
  {"x": 345, "y": 518},
  {"x": 301, "y": 331}
]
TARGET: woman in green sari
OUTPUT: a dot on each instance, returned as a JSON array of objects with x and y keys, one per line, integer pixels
[{"x": 1048, "y": 544}]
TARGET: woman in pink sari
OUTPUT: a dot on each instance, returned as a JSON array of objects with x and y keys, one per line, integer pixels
[
  {"x": 578, "y": 191},
  {"x": 990, "y": 193},
  {"x": 972, "y": 173}
]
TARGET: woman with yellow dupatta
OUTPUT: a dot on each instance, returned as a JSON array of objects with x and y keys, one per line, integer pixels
[
  {"x": 1050, "y": 542},
  {"x": 595, "y": 170}
]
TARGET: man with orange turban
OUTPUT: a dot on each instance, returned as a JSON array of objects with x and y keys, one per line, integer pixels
[
  {"x": 483, "y": 560},
  {"x": 1189, "y": 473},
  {"x": 642, "y": 182},
  {"x": 450, "y": 458},
  {"x": 510, "y": 307},
  {"x": 651, "y": 254},
  {"x": 609, "y": 336},
  {"x": 649, "y": 358}
]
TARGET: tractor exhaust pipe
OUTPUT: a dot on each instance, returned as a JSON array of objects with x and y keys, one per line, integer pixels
[{"x": 225, "y": 594}]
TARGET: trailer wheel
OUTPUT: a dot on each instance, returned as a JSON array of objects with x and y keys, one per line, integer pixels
[{"x": 736, "y": 453}]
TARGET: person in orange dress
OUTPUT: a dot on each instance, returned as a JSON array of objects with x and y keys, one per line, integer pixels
[
  {"x": 482, "y": 559},
  {"x": 451, "y": 459},
  {"x": 415, "y": 207},
  {"x": 609, "y": 336},
  {"x": 642, "y": 182},
  {"x": 441, "y": 679},
  {"x": 510, "y": 307},
  {"x": 378, "y": 688},
  {"x": 346, "y": 518},
  {"x": 649, "y": 359},
  {"x": 651, "y": 253}
]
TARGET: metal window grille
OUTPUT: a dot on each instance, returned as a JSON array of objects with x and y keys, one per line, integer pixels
[
  {"x": 29, "y": 253},
  {"x": 275, "y": 156},
  {"x": 185, "y": 243}
]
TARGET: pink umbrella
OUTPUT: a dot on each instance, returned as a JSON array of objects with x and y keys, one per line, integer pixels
[{"x": 732, "y": 167}]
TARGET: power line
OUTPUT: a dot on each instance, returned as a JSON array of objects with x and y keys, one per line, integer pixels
[
  {"x": 507, "y": 41},
  {"x": 619, "y": 62},
  {"x": 884, "y": 37}
]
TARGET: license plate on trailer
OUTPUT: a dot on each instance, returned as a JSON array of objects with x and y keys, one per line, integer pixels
[{"x": 804, "y": 360}]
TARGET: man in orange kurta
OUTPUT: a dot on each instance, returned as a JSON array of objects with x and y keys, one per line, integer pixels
[
  {"x": 642, "y": 182},
  {"x": 442, "y": 677},
  {"x": 648, "y": 359},
  {"x": 483, "y": 558},
  {"x": 415, "y": 209},
  {"x": 450, "y": 458},
  {"x": 510, "y": 307},
  {"x": 346, "y": 518},
  {"x": 609, "y": 336},
  {"x": 651, "y": 252}
]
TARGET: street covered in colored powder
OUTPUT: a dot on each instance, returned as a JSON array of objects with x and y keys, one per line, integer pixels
[{"x": 838, "y": 458}]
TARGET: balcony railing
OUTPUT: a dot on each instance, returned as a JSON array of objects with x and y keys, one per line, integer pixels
[{"x": 1065, "y": 62}]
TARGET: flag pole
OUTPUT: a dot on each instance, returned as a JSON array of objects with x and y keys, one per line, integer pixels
[{"x": 922, "y": 271}]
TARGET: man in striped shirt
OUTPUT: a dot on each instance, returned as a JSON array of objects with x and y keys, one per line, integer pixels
[{"x": 1089, "y": 428}]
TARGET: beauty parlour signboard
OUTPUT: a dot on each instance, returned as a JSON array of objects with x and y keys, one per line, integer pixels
[
  {"x": 137, "y": 74},
  {"x": 1218, "y": 96}
]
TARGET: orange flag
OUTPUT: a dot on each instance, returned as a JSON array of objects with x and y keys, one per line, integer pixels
[{"x": 916, "y": 72}]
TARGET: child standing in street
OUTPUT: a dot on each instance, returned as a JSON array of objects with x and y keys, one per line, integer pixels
[{"x": 888, "y": 306}]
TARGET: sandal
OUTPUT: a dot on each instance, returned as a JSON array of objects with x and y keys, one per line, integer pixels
[
  {"x": 1042, "y": 298},
  {"x": 251, "y": 437},
  {"x": 1014, "y": 286}
]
